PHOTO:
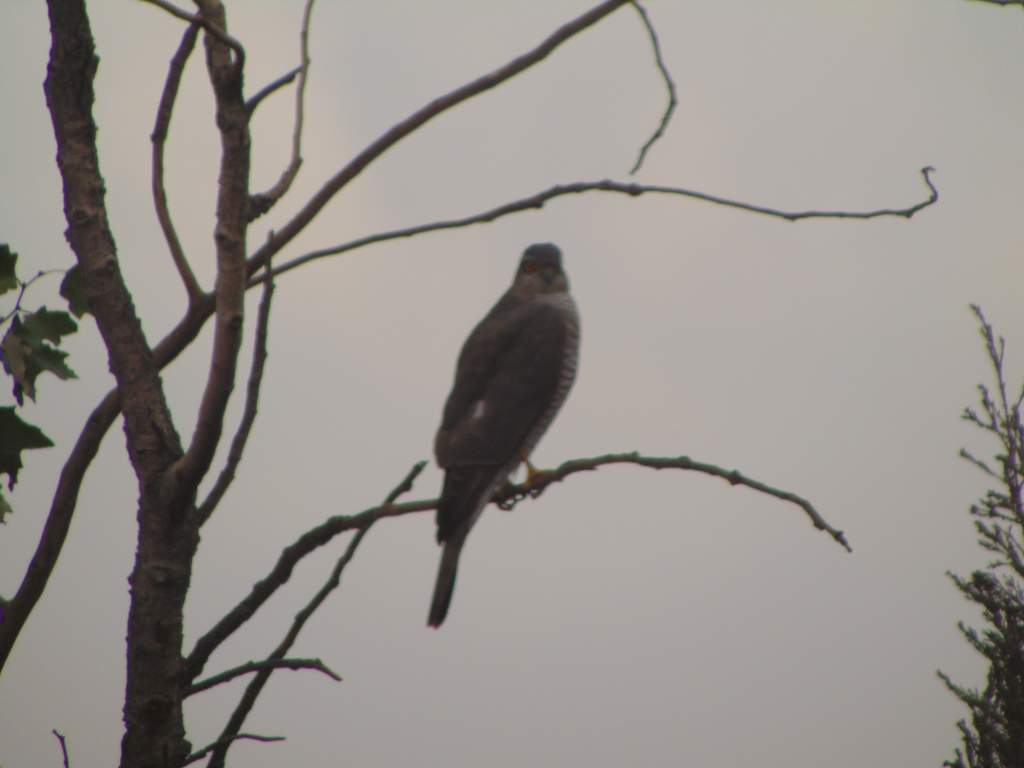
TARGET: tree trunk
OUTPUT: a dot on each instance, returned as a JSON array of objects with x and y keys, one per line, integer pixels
[{"x": 168, "y": 536}]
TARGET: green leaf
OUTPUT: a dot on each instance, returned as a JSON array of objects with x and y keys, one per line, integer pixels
[
  {"x": 49, "y": 326},
  {"x": 15, "y": 359},
  {"x": 26, "y": 355},
  {"x": 17, "y": 436},
  {"x": 72, "y": 288},
  {"x": 8, "y": 279},
  {"x": 50, "y": 359}
]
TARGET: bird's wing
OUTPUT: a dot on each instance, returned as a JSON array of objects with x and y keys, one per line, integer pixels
[{"x": 507, "y": 374}]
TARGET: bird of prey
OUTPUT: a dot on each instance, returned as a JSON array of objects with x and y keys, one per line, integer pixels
[{"x": 513, "y": 374}]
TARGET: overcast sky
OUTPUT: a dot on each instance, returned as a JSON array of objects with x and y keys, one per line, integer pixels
[{"x": 627, "y": 616}]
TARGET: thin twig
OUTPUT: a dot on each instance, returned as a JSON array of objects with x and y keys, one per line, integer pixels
[
  {"x": 669, "y": 86},
  {"x": 263, "y": 202},
  {"x": 289, "y": 558},
  {"x": 207, "y": 25},
  {"x": 256, "y": 685},
  {"x": 537, "y": 201},
  {"x": 63, "y": 747},
  {"x": 159, "y": 139},
  {"x": 23, "y": 286},
  {"x": 417, "y": 119},
  {"x": 249, "y": 411},
  {"x": 270, "y": 88},
  {"x": 256, "y": 666},
  {"x": 200, "y": 754}
]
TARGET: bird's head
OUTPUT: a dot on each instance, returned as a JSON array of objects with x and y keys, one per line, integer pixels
[{"x": 540, "y": 271}]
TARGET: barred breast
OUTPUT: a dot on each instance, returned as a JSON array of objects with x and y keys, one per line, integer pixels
[{"x": 564, "y": 303}]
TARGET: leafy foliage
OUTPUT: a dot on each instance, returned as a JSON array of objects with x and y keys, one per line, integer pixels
[
  {"x": 8, "y": 280},
  {"x": 995, "y": 736},
  {"x": 26, "y": 352},
  {"x": 73, "y": 290},
  {"x": 30, "y": 346},
  {"x": 15, "y": 436}
]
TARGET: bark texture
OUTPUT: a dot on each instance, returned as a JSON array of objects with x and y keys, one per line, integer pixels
[{"x": 154, "y": 729}]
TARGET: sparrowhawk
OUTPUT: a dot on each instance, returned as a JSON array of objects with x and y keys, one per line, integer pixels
[{"x": 513, "y": 374}]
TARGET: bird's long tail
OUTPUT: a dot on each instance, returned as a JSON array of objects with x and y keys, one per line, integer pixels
[{"x": 445, "y": 585}]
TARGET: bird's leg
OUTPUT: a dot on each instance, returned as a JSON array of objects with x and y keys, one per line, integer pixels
[{"x": 531, "y": 471}]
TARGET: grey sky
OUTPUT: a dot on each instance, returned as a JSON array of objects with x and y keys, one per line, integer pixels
[{"x": 627, "y": 616}]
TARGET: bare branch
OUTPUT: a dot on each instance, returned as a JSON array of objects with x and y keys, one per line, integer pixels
[
  {"x": 261, "y": 203},
  {"x": 289, "y": 557},
  {"x": 208, "y": 25},
  {"x": 230, "y": 238},
  {"x": 252, "y": 399},
  {"x": 269, "y": 89},
  {"x": 200, "y": 754},
  {"x": 537, "y": 201},
  {"x": 505, "y": 497},
  {"x": 256, "y": 685},
  {"x": 332, "y": 186},
  {"x": 159, "y": 138},
  {"x": 669, "y": 86},
  {"x": 58, "y": 522},
  {"x": 63, "y": 747},
  {"x": 509, "y": 496},
  {"x": 257, "y": 666}
]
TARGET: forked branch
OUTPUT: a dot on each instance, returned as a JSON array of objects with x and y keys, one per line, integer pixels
[
  {"x": 417, "y": 119},
  {"x": 256, "y": 685},
  {"x": 249, "y": 410},
  {"x": 264, "y": 201},
  {"x": 208, "y": 25},
  {"x": 199, "y": 754},
  {"x": 507, "y": 497},
  {"x": 258, "y": 666}
]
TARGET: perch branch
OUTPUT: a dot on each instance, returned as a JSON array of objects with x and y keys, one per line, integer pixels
[
  {"x": 200, "y": 754},
  {"x": 537, "y": 201},
  {"x": 263, "y": 202},
  {"x": 669, "y": 86},
  {"x": 256, "y": 685},
  {"x": 159, "y": 139},
  {"x": 257, "y": 666},
  {"x": 512, "y": 494},
  {"x": 506, "y": 497},
  {"x": 249, "y": 411},
  {"x": 396, "y": 133}
]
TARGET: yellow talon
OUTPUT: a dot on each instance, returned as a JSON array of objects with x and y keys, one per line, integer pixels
[{"x": 531, "y": 471}]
